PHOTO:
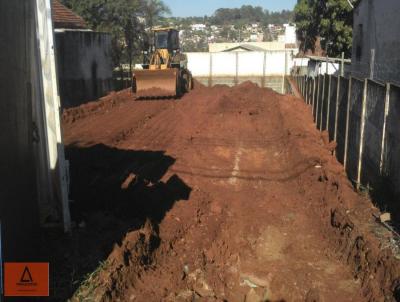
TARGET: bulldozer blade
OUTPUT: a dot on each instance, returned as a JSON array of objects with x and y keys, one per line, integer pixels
[{"x": 156, "y": 83}]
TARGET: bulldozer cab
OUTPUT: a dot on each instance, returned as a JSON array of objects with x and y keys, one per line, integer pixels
[
  {"x": 165, "y": 74},
  {"x": 166, "y": 38}
]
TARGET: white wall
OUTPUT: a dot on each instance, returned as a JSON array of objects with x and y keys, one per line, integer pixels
[
  {"x": 49, "y": 105},
  {"x": 290, "y": 34},
  {"x": 240, "y": 63}
]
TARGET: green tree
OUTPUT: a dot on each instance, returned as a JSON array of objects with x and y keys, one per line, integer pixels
[
  {"x": 153, "y": 10},
  {"x": 332, "y": 20},
  {"x": 126, "y": 20}
]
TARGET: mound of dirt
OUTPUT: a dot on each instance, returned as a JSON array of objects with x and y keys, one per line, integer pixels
[
  {"x": 100, "y": 106},
  {"x": 227, "y": 194}
]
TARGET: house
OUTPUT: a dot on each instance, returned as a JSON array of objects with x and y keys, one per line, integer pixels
[
  {"x": 290, "y": 34},
  {"x": 376, "y": 40},
  {"x": 244, "y": 47},
  {"x": 198, "y": 27},
  {"x": 261, "y": 46},
  {"x": 84, "y": 60}
]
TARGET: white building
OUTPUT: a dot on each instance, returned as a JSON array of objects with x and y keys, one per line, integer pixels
[
  {"x": 376, "y": 40},
  {"x": 199, "y": 27},
  {"x": 290, "y": 34}
]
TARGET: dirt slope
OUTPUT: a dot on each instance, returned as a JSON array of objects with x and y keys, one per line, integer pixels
[{"x": 228, "y": 194}]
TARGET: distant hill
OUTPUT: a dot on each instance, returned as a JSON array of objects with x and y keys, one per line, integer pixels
[{"x": 246, "y": 14}]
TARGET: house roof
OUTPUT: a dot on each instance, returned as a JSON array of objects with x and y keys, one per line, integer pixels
[
  {"x": 63, "y": 17},
  {"x": 246, "y": 47}
]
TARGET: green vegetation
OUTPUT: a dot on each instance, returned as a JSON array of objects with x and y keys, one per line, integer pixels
[
  {"x": 332, "y": 20},
  {"x": 249, "y": 14},
  {"x": 129, "y": 22},
  {"x": 238, "y": 17},
  {"x": 126, "y": 20}
]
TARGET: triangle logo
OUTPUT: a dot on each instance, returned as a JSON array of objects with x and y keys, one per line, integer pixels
[{"x": 26, "y": 276}]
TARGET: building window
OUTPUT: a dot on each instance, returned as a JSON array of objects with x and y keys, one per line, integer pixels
[{"x": 359, "y": 42}]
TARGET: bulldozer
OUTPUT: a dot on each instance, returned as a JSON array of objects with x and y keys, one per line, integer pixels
[{"x": 165, "y": 73}]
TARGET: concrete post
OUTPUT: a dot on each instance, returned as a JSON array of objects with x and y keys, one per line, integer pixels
[
  {"x": 307, "y": 88},
  {"x": 313, "y": 94},
  {"x": 362, "y": 130},
  {"x": 337, "y": 106},
  {"x": 328, "y": 96},
  {"x": 316, "y": 99},
  {"x": 326, "y": 67},
  {"x": 322, "y": 102},
  {"x": 346, "y": 141},
  {"x": 372, "y": 65},
  {"x": 384, "y": 131},
  {"x": 342, "y": 65}
]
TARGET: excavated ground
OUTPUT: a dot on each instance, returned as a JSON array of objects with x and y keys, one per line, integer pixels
[{"x": 228, "y": 194}]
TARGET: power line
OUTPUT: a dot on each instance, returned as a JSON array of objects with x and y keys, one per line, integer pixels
[{"x": 351, "y": 4}]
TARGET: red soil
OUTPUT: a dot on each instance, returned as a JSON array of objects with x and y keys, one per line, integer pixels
[{"x": 229, "y": 194}]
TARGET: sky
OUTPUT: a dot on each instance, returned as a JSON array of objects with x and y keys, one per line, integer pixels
[{"x": 185, "y": 8}]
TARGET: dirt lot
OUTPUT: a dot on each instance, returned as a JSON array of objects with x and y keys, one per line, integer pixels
[{"x": 229, "y": 194}]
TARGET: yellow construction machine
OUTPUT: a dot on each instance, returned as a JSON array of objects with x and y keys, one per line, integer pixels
[{"x": 165, "y": 72}]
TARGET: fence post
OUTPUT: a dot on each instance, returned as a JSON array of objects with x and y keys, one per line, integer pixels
[
  {"x": 322, "y": 102},
  {"x": 313, "y": 94},
  {"x": 316, "y": 99},
  {"x": 337, "y": 107},
  {"x": 306, "y": 91},
  {"x": 301, "y": 85},
  {"x": 362, "y": 130},
  {"x": 346, "y": 141},
  {"x": 342, "y": 65},
  {"x": 384, "y": 133},
  {"x": 328, "y": 101},
  {"x": 284, "y": 74},
  {"x": 372, "y": 64}
]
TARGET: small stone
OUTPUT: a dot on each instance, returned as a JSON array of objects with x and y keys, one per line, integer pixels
[{"x": 385, "y": 217}]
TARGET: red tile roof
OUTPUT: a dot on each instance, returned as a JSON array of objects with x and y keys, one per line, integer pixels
[{"x": 63, "y": 17}]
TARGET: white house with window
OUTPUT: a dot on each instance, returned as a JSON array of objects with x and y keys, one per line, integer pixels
[{"x": 198, "y": 27}]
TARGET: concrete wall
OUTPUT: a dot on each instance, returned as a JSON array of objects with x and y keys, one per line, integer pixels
[
  {"x": 18, "y": 197},
  {"x": 264, "y": 68},
  {"x": 32, "y": 161},
  {"x": 363, "y": 117},
  {"x": 49, "y": 149},
  {"x": 380, "y": 23},
  {"x": 85, "y": 66}
]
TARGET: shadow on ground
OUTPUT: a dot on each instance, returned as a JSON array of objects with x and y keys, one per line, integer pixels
[{"x": 114, "y": 192}]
